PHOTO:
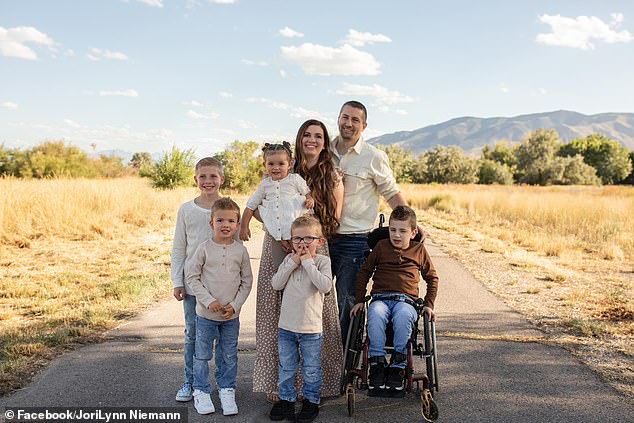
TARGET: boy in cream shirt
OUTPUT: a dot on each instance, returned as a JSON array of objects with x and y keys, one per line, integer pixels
[
  {"x": 219, "y": 275},
  {"x": 305, "y": 277}
]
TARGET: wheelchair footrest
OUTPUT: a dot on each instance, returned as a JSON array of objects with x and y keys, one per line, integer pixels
[{"x": 386, "y": 393}]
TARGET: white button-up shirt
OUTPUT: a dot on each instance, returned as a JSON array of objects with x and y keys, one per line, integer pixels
[
  {"x": 280, "y": 202},
  {"x": 366, "y": 175}
]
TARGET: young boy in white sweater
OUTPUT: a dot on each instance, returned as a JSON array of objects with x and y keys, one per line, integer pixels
[
  {"x": 305, "y": 277},
  {"x": 219, "y": 275}
]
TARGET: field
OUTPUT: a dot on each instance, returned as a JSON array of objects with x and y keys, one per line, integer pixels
[{"x": 79, "y": 256}]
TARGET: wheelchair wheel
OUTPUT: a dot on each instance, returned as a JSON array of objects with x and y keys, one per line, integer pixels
[
  {"x": 429, "y": 409},
  {"x": 429, "y": 331},
  {"x": 354, "y": 342},
  {"x": 350, "y": 398}
]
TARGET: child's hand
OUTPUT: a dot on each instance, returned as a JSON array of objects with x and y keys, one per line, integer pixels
[
  {"x": 430, "y": 313},
  {"x": 287, "y": 246},
  {"x": 245, "y": 234},
  {"x": 179, "y": 293},
  {"x": 309, "y": 203},
  {"x": 357, "y": 307},
  {"x": 227, "y": 311},
  {"x": 296, "y": 257},
  {"x": 215, "y": 307},
  {"x": 305, "y": 255}
]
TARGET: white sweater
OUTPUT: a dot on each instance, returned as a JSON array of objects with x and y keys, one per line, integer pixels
[
  {"x": 192, "y": 229},
  {"x": 304, "y": 287}
]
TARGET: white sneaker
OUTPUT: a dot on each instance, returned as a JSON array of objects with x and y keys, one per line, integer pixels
[
  {"x": 228, "y": 401},
  {"x": 185, "y": 393},
  {"x": 202, "y": 402}
]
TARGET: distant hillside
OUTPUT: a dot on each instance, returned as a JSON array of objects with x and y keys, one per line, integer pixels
[{"x": 471, "y": 133}]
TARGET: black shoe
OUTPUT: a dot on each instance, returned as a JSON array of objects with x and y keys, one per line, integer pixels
[
  {"x": 283, "y": 410},
  {"x": 377, "y": 376},
  {"x": 395, "y": 378},
  {"x": 309, "y": 412}
]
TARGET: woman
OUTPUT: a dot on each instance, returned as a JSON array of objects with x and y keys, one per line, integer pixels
[{"x": 312, "y": 162}]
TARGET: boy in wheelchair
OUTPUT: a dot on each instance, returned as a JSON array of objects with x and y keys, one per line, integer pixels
[{"x": 394, "y": 265}]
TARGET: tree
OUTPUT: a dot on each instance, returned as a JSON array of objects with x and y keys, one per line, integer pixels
[
  {"x": 493, "y": 172},
  {"x": 502, "y": 152},
  {"x": 175, "y": 168},
  {"x": 577, "y": 172},
  {"x": 142, "y": 163},
  {"x": 449, "y": 165},
  {"x": 535, "y": 156},
  {"x": 242, "y": 166},
  {"x": 630, "y": 178},
  {"x": 610, "y": 159},
  {"x": 401, "y": 162},
  {"x": 54, "y": 158}
]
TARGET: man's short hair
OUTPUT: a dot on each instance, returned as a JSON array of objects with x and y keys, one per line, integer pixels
[
  {"x": 404, "y": 213},
  {"x": 210, "y": 161},
  {"x": 225, "y": 203},
  {"x": 356, "y": 105},
  {"x": 307, "y": 221}
]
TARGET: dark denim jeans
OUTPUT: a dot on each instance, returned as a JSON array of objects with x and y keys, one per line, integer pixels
[{"x": 347, "y": 254}]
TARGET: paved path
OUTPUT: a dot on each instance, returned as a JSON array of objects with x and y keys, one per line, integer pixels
[{"x": 480, "y": 380}]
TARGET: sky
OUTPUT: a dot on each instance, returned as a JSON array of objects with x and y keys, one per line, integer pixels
[{"x": 146, "y": 75}]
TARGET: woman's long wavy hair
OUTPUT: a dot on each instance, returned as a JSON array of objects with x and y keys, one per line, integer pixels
[{"x": 320, "y": 178}]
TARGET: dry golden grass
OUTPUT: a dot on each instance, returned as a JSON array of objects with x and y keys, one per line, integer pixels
[
  {"x": 77, "y": 257},
  {"x": 558, "y": 221},
  {"x": 562, "y": 256}
]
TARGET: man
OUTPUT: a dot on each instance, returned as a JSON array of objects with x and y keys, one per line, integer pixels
[{"x": 367, "y": 175}]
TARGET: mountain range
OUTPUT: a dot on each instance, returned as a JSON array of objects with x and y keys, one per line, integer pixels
[{"x": 472, "y": 133}]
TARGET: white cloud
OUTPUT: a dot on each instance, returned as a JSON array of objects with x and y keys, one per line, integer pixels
[
  {"x": 294, "y": 111},
  {"x": 542, "y": 91},
  {"x": 124, "y": 93},
  {"x": 245, "y": 124},
  {"x": 13, "y": 42},
  {"x": 283, "y": 73},
  {"x": 153, "y": 3},
  {"x": 222, "y": 1},
  {"x": 97, "y": 54},
  {"x": 72, "y": 123},
  {"x": 195, "y": 115},
  {"x": 225, "y": 94},
  {"x": 253, "y": 63},
  {"x": 382, "y": 95},
  {"x": 579, "y": 32},
  {"x": 400, "y": 112},
  {"x": 290, "y": 33},
  {"x": 359, "y": 39},
  {"x": 193, "y": 103},
  {"x": 316, "y": 59},
  {"x": 9, "y": 105},
  {"x": 504, "y": 88}
]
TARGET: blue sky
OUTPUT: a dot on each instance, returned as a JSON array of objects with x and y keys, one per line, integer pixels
[{"x": 143, "y": 75}]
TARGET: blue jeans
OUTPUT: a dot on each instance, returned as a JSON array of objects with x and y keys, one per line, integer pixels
[
  {"x": 347, "y": 255},
  {"x": 289, "y": 346},
  {"x": 189, "y": 307},
  {"x": 225, "y": 335},
  {"x": 403, "y": 317}
]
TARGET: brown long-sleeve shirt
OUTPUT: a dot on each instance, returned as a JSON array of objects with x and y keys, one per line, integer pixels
[{"x": 394, "y": 270}]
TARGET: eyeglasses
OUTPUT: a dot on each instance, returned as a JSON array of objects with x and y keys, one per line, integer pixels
[{"x": 305, "y": 239}]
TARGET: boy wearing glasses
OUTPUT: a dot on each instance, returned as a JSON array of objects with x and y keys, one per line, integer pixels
[{"x": 305, "y": 277}]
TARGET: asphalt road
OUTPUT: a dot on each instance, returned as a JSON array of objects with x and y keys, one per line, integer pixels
[{"x": 482, "y": 378}]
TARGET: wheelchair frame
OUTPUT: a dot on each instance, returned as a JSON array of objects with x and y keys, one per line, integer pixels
[
  {"x": 357, "y": 345},
  {"x": 356, "y": 351}
]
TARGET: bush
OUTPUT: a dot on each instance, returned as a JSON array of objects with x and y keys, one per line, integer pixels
[
  {"x": 449, "y": 165},
  {"x": 493, "y": 172},
  {"x": 242, "y": 166},
  {"x": 174, "y": 169}
]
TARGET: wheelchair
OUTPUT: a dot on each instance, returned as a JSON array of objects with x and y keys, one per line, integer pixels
[{"x": 355, "y": 359}]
